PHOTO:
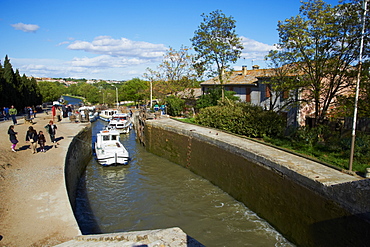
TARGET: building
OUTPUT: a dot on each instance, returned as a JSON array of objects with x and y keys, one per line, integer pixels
[{"x": 253, "y": 86}]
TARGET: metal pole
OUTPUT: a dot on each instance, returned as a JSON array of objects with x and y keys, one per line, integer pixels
[
  {"x": 151, "y": 94},
  {"x": 357, "y": 87},
  {"x": 117, "y": 97}
]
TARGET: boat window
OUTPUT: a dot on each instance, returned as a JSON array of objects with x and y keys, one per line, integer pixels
[
  {"x": 105, "y": 138},
  {"x": 114, "y": 137}
]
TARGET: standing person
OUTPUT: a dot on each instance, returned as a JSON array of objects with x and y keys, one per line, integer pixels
[
  {"x": 42, "y": 141},
  {"x": 12, "y": 137},
  {"x": 34, "y": 111},
  {"x": 31, "y": 135},
  {"x": 13, "y": 113},
  {"x": 6, "y": 113},
  {"x": 51, "y": 129}
]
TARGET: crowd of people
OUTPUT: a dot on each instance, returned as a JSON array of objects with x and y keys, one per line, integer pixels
[{"x": 34, "y": 138}]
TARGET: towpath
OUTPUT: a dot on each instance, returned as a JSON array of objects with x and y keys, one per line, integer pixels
[{"x": 34, "y": 206}]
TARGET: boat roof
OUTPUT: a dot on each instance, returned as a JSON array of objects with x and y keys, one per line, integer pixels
[{"x": 109, "y": 132}]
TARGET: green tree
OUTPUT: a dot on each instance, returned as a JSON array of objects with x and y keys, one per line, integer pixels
[
  {"x": 135, "y": 90},
  {"x": 50, "y": 91},
  {"x": 216, "y": 43},
  {"x": 213, "y": 97},
  {"x": 321, "y": 44}
]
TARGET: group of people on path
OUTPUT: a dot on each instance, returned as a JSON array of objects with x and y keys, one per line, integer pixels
[{"x": 33, "y": 137}]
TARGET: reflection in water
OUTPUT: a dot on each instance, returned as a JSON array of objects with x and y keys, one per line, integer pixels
[{"x": 153, "y": 193}]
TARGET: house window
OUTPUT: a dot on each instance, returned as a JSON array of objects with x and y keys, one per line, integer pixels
[
  {"x": 248, "y": 94},
  {"x": 268, "y": 90}
]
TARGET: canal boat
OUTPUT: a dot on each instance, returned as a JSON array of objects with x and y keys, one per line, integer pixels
[
  {"x": 109, "y": 150},
  {"x": 120, "y": 122},
  {"x": 106, "y": 115},
  {"x": 88, "y": 113}
]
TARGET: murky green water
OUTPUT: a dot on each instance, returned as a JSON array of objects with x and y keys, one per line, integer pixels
[{"x": 153, "y": 193}]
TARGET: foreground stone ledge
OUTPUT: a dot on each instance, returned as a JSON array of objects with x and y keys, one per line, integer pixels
[{"x": 151, "y": 238}]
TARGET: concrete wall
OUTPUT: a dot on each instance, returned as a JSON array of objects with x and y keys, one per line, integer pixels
[
  {"x": 78, "y": 156},
  {"x": 311, "y": 205}
]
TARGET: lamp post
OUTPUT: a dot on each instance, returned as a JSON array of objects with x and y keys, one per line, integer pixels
[
  {"x": 116, "y": 95},
  {"x": 358, "y": 85}
]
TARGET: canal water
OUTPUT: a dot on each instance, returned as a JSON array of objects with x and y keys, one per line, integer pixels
[{"x": 153, "y": 193}]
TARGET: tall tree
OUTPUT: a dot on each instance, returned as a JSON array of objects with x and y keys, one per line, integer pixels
[
  {"x": 216, "y": 44},
  {"x": 321, "y": 44}
]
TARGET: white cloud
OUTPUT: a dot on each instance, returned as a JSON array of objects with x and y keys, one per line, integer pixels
[
  {"x": 28, "y": 28},
  {"x": 101, "y": 67},
  {"x": 63, "y": 43},
  {"x": 254, "y": 49},
  {"x": 123, "y": 47}
]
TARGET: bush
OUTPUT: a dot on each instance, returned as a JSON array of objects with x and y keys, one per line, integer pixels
[
  {"x": 242, "y": 119},
  {"x": 175, "y": 106}
]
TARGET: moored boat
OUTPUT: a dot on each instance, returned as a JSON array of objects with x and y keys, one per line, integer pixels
[
  {"x": 106, "y": 115},
  {"x": 109, "y": 150},
  {"x": 120, "y": 122}
]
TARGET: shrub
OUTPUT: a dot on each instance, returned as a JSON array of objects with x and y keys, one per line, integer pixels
[
  {"x": 242, "y": 119},
  {"x": 175, "y": 105}
]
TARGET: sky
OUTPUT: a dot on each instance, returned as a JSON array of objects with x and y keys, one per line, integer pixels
[{"x": 120, "y": 39}]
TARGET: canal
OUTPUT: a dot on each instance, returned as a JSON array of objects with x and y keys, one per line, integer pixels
[{"x": 153, "y": 193}]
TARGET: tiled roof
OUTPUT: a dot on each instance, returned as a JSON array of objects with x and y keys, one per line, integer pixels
[{"x": 237, "y": 77}]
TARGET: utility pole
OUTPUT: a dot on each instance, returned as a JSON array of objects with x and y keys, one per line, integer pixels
[{"x": 364, "y": 6}]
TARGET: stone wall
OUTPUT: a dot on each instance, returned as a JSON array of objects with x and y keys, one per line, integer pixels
[
  {"x": 78, "y": 156},
  {"x": 311, "y": 205}
]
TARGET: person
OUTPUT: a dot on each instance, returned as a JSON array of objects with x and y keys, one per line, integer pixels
[
  {"x": 34, "y": 110},
  {"x": 41, "y": 141},
  {"x": 51, "y": 129},
  {"x": 6, "y": 113},
  {"x": 12, "y": 137},
  {"x": 31, "y": 136},
  {"x": 13, "y": 113}
]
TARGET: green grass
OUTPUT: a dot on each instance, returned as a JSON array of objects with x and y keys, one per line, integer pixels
[{"x": 331, "y": 155}]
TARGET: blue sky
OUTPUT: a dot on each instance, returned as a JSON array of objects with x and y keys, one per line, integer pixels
[{"x": 119, "y": 39}]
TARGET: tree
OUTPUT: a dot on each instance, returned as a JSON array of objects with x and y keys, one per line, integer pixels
[
  {"x": 174, "y": 74},
  {"x": 135, "y": 90},
  {"x": 216, "y": 43},
  {"x": 177, "y": 71},
  {"x": 321, "y": 45}
]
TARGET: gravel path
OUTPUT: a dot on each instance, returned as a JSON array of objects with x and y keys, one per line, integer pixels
[{"x": 34, "y": 206}]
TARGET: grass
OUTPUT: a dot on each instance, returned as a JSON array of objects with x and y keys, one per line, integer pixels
[{"x": 331, "y": 155}]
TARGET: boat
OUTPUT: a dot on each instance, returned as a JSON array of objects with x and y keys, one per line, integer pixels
[
  {"x": 88, "y": 113},
  {"x": 93, "y": 116},
  {"x": 109, "y": 150},
  {"x": 120, "y": 122},
  {"x": 106, "y": 115}
]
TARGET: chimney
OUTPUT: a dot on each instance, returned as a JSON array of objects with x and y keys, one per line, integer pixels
[
  {"x": 255, "y": 67},
  {"x": 244, "y": 69}
]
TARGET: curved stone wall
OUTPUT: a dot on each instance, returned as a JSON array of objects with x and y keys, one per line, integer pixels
[{"x": 78, "y": 156}]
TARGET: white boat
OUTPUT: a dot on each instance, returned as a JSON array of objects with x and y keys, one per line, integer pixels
[
  {"x": 120, "y": 122},
  {"x": 106, "y": 115},
  {"x": 109, "y": 150},
  {"x": 93, "y": 116},
  {"x": 88, "y": 113}
]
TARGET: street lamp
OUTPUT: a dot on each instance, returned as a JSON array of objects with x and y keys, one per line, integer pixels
[
  {"x": 358, "y": 85},
  {"x": 116, "y": 95}
]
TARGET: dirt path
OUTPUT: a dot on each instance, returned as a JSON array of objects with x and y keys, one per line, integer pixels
[{"x": 34, "y": 207}]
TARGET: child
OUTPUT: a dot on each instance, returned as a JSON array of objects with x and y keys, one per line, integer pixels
[
  {"x": 12, "y": 137},
  {"x": 32, "y": 136},
  {"x": 42, "y": 141}
]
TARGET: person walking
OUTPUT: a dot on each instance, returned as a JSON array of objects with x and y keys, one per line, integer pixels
[
  {"x": 12, "y": 137},
  {"x": 6, "y": 113},
  {"x": 13, "y": 113},
  {"x": 51, "y": 129},
  {"x": 31, "y": 136},
  {"x": 42, "y": 141}
]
